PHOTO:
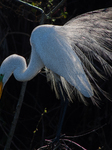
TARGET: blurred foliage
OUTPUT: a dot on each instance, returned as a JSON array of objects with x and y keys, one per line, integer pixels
[{"x": 47, "y": 6}]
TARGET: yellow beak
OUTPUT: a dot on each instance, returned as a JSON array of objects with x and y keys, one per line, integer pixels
[{"x": 1, "y": 88}]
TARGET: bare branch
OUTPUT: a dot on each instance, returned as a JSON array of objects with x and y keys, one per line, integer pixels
[
  {"x": 27, "y": 4},
  {"x": 56, "y": 8},
  {"x": 17, "y": 112}
]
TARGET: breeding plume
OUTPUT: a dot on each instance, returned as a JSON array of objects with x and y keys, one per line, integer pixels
[{"x": 68, "y": 53}]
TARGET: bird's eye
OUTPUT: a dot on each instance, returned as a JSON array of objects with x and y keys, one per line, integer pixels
[{"x": 1, "y": 77}]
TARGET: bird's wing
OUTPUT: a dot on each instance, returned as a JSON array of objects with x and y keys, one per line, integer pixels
[
  {"x": 81, "y": 47},
  {"x": 90, "y": 36},
  {"x": 57, "y": 55}
]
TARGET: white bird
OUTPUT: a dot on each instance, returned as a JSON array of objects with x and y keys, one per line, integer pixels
[{"x": 68, "y": 52}]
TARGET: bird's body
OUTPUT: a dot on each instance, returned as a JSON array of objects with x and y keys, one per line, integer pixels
[
  {"x": 68, "y": 51},
  {"x": 57, "y": 55}
]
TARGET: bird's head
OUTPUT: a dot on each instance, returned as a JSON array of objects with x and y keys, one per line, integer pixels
[
  {"x": 5, "y": 73},
  {"x": 4, "y": 76}
]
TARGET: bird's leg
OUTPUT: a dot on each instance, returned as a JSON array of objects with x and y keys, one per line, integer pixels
[{"x": 64, "y": 104}]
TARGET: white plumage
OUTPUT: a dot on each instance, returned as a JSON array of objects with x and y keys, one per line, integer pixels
[
  {"x": 68, "y": 52},
  {"x": 57, "y": 55}
]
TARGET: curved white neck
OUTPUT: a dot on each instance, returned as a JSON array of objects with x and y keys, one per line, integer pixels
[{"x": 24, "y": 73}]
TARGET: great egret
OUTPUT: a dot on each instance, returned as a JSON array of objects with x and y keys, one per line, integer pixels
[{"x": 68, "y": 53}]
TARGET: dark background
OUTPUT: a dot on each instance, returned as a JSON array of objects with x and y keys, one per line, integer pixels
[{"x": 91, "y": 125}]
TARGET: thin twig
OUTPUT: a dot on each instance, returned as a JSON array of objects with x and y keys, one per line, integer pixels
[
  {"x": 75, "y": 143},
  {"x": 7, "y": 135},
  {"x": 28, "y": 4},
  {"x": 10, "y": 33},
  {"x": 94, "y": 130},
  {"x": 17, "y": 112},
  {"x": 56, "y": 8}
]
